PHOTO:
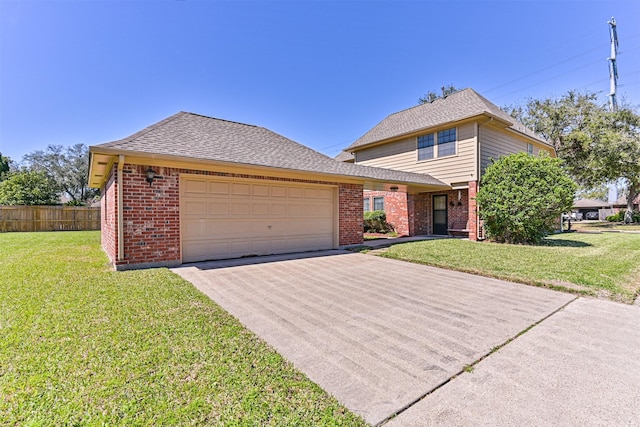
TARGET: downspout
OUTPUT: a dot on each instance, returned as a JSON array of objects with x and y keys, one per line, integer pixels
[{"x": 120, "y": 210}]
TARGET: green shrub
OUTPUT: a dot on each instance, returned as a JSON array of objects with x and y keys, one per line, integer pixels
[
  {"x": 619, "y": 217},
  {"x": 375, "y": 222},
  {"x": 521, "y": 197}
]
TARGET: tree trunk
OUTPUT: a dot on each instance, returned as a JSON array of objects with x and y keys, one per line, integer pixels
[{"x": 633, "y": 191}]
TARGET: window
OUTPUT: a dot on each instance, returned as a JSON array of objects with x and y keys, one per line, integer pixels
[
  {"x": 425, "y": 147},
  {"x": 530, "y": 149},
  {"x": 447, "y": 142},
  {"x": 366, "y": 203},
  {"x": 378, "y": 203}
]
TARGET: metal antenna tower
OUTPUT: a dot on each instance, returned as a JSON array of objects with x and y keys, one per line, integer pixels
[{"x": 613, "y": 67}]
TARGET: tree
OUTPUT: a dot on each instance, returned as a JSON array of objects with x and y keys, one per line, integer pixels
[
  {"x": 597, "y": 145},
  {"x": 521, "y": 197},
  {"x": 600, "y": 192},
  {"x": 27, "y": 187},
  {"x": 68, "y": 167},
  {"x": 431, "y": 96},
  {"x": 5, "y": 166}
]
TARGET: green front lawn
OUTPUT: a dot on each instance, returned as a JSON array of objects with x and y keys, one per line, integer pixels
[
  {"x": 604, "y": 226},
  {"x": 606, "y": 264},
  {"x": 83, "y": 345}
]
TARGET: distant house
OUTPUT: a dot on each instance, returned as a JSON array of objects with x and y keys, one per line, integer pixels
[
  {"x": 590, "y": 208},
  {"x": 621, "y": 203},
  {"x": 452, "y": 139}
]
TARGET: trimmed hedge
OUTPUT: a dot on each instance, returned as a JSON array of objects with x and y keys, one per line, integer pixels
[{"x": 376, "y": 222}]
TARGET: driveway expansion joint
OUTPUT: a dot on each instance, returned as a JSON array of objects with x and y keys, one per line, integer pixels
[{"x": 474, "y": 363}]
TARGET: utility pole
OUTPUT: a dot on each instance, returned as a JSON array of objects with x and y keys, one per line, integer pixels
[{"x": 613, "y": 66}]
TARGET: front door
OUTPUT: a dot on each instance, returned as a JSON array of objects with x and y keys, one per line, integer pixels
[{"x": 440, "y": 224}]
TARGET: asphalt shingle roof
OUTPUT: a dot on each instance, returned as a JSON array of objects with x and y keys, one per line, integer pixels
[
  {"x": 189, "y": 135},
  {"x": 457, "y": 106},
  {"x": 344, "y": 157}
]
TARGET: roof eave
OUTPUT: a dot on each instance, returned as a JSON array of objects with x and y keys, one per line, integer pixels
[
  {"x": 138, "y": 157},
  {"x": 417, "y": 132}
]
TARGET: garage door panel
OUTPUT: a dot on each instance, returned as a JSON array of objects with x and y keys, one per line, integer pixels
[
  {"x": 195, "y": 229},
  {"x": 260, "y": 190},
  {"x": 196, "y": 186},
  {"x": 216, "y": 229},
  {"x": 261, "y": 209},
  {"x": 226, "y": 219},
  {"x": 217, "y": 187},
  {"x": 295, "y": 209},
  {"x": 219, "y": 208},
  {"x": 196, "y": 208},
  {"x": 278, "y": 209},
  {"x": 295, "y": 192},
  {"x": 240, "y": 189},
  {"x": 278, "y": 191},
  {"x": 325, "y": 194},
  {"x": 240, "y": 209}
]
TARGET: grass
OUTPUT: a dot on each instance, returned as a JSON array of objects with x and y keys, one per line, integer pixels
[
  {"x": 83, "y": 345},
  {"x": 606, "y": 264},
  {"x": 604, "y": 226}
]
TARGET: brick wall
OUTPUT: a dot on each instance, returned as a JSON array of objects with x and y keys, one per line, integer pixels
[
  {"x": 395, "y": 207},
  {"x": 108, "y": 217},
  {"x": 458, "y": 214},
  {"x": 151, "y": 217},
  {"x": 473, "y": 210},
  {"x": 152, "y": 222},
  {"x": 419, "y": 214},
  {"x": 350, "y": 214}
]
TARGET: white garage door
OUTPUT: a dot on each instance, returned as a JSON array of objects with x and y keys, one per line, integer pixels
[{"x": 224, "y": 218}]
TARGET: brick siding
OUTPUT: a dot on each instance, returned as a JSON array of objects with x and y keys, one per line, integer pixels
[
  {"x": 411, "y": 214},
  {"x": 395, "y": 207},
  {"x": 350, "y": 214},
  {"x": 473, "y": 210},
  {"x": 109, "y": 217},
  {"x": 151, "y": 215},
  {"x": 419, "y": 214}
]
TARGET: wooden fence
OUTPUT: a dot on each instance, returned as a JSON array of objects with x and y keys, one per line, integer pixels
[{"x": 49, "y": 218}]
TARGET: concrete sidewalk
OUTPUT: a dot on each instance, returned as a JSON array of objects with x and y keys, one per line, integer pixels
[
  {"x": 579, "y": 367},
  {"x": 378, "y": 334}
]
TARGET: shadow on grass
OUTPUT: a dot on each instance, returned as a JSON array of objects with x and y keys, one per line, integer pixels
[{"x": 564, "y": 243}]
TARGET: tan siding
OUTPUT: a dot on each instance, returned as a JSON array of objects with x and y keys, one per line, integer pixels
[
  {"x": 495, "y": 143},
  {"x": 402, "y": 155}
]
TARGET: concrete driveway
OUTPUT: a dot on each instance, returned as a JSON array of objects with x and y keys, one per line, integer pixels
[{"x": 376, "y": 333}]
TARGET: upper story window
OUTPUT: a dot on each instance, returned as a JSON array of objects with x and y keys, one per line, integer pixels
[
  {"x": 447, "y": 142},
  {"x": 433, "y": 145},
  {"x": 530, "y": 149},
  {"x": 425, "y": 147}
]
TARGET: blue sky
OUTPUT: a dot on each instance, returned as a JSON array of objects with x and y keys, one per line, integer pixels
[{"x": 320, "y": 73}]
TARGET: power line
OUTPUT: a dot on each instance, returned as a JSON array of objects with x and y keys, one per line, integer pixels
[{"x": 546, "y": 68}]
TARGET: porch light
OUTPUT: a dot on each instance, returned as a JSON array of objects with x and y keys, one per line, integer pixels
[
  {"x": 150, "y": 175},
  {"x": 394, "y": 189}
]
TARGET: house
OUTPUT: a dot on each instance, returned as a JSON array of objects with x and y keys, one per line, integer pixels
[
  {"x": 452, "y": 139},
  {"x": 590, "y": 208},
  {"x": 192, "y": 188}
]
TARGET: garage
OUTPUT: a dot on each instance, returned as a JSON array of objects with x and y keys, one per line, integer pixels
[
  {"x": 193, "y": 188},
  {"x": 228, "y": 218}
]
